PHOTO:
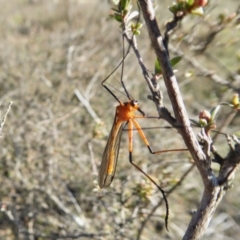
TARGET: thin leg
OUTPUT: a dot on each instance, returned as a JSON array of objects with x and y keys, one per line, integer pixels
[
  {"x": 111, "y": 93},
  {"x": 130, "y": 138},
  {"x": 123, "y": 52},
  {"x": 121, "y": 63},
  {"x": 130, "y": 135},
  {"x": 158, "y": 187},
  {"x": 142, "y": 135}
]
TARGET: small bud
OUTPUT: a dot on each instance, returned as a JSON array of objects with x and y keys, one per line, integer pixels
[
  {"x": 203, "y": 122},
  {"x": 205, "y": 115},
  {"x": 200, "y": 3},
  {"x": 235, "y": 100}
]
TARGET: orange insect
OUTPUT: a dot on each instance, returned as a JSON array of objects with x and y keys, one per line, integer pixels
[{"x": 125, "y": 114}]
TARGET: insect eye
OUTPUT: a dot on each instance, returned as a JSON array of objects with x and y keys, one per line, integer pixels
[{"x": 134, "y": 103}]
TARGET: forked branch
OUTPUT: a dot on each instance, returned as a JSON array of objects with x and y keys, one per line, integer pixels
[
  {"x": 214, "y": 187},
  {"x": 173, "y": 90}
]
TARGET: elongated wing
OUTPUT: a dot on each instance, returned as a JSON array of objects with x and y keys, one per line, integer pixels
[{"x": 110, "y": 154}]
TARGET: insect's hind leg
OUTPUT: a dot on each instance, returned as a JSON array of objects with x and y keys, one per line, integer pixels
[{"x": 158, "y": 187}]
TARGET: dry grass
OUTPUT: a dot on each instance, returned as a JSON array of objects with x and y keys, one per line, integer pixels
[{"x": 52, "y": 146}]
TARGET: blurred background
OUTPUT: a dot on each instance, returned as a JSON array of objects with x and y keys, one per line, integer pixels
[{"x": 53, "y": 56}]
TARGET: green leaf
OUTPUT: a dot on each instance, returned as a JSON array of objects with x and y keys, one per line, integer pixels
[
  {"x": 227, "y": 104},
  {"x": 158, "y": 68},
  {"x": 139, "y": 25},
  {"x": 214, "y": 112},
  {"x": 136, "y": 32},
  {"x": 115, "y": 10},
  {"x": 173, "y": 8},
  {"x": 118, "y": 17},
  {"x": 194, "y": 122},
  {"x": 190, "y": 2},
  {"x": 124, "y": 4},
  {"x": 174, "y": 61}
]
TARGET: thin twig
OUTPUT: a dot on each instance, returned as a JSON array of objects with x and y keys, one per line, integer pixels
[
  {"x": 4, "y": 118},
  {"x": 174, "y": 92},
  {"x": 87, "y": 106},
  {"x": 203, "y": 71},
  {"x": 93, "y": 163}
]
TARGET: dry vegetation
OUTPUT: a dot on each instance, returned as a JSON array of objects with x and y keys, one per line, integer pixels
[{"x": 52, "y": 145}]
